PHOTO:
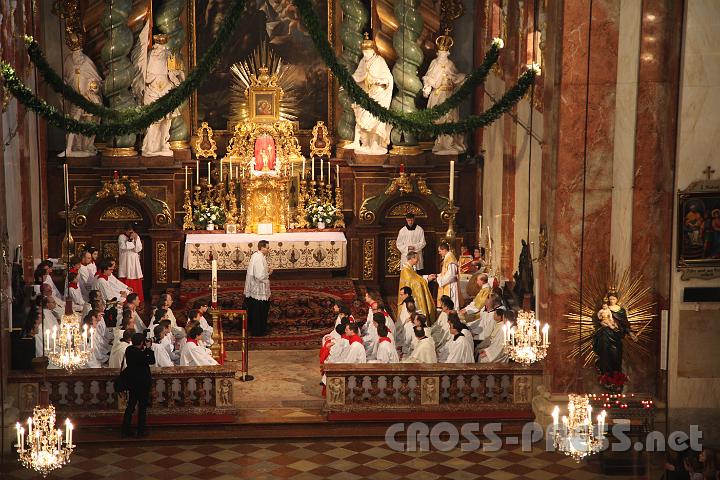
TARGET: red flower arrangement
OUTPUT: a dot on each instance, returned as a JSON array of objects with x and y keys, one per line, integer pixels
[{"x": 613, "y": 381}]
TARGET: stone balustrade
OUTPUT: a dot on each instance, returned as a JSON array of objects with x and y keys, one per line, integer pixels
[
  {"x": 462, "y": 390},
  {"x": 91, "y": 393}
]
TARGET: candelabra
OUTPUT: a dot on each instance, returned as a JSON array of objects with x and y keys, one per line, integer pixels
[
  {"x": 450, "y": 212},
  {"x": 187, "y": 207},
  {"x": 43, "y": 449},
  {"x": 68, "y": 347},
  {"x": 303, "y": 196},
  {"x": 340, "y": 222},
  {"x": 523, "y": 343},
  {"x": 577, "y": 437},
  {"x": 328, "y": 192},
  {"x": 231, "y": 202}
]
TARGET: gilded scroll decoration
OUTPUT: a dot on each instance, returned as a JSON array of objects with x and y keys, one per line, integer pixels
[
  {"x": 161, "y": 262},
  {"x": 403, "y": 208},
  {"x": 392, "y": 257},
  {"x": 120, "y": 213},
  {"x": 205, "y": 145},
  {"x": 368, "y": 258}
]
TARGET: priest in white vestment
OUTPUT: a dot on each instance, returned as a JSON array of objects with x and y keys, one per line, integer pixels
[
  {"x": 492, "y": 348},
  {"x": 411, "y": 238},
  {"x": 372, "y": 136},
  {"x": 194, "y": 354},
  {"x": 448, "y": 279},
  {"x": 257, "y": 290},
  {"x": 424, "y": 351},
  {"x": 129, "y": 268}
]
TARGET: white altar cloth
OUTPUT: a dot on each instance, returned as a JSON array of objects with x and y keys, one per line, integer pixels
[{"x": 288, "y": 251}]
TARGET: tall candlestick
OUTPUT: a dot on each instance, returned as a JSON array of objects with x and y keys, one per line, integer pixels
[
  {"x": 231, "y": 169},
  {"x": 452, "y": 179},
  {"x": 489, "y": 239},
  {"x": 312, "y": 168},
  {"x": 302, "y": 174},
  {"x": 221, "y": 177},
  {"x": 328, "y": 171},
  {"x": 321, "y": 170},
  {"x": 337, "y": 176},
  {"x": 209, "y": 173},
  {"x": 186, "y": 177},
  {"x": 214, "y": 282},
  {"x": 66, "y": 174},
  {"x": 197, "y": 169}
]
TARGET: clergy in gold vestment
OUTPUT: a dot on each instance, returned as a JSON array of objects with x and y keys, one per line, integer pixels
[
  {"x": 448, "y": 278},
  {"x": 410, "y": 278},
  {"x": 479, "y": 301}
]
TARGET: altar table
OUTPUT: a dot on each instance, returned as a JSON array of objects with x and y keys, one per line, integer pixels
[{"x": 288, "y": 251}]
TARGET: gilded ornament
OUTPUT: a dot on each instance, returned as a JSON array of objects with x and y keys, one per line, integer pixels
[
  {"x": 401, "y": 209},
  {"x": 368, "y": 258},
  {"x": 120, "y": 213},
  {"x": 366, "y": 215},
  {"x": 205, "y": 145},
  {"x": 161, "y": 259},
  {"x": 320, "y": 144},
  {"x": 392, "y": 256}
]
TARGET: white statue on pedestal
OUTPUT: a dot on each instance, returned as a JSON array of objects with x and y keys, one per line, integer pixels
[
  {"x": 83, "y": 76},
  {"x": 154, "y": 80},
  {"x": 441, "y": 81},
  {"x": 372, "y": 136}
]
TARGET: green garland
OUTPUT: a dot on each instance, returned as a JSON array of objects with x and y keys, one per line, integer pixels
[
  {"x": 125, "y": 121},
  {"x": 419, "y": 121}
]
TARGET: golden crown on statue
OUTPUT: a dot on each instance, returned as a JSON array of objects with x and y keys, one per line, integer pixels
[
  {"x": 368, "y": 43},
  {"x": 160, "y": 38},
  {"x": 444, "y": 42}
]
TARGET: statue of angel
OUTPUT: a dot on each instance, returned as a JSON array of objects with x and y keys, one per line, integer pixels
[
  {"x": 153, "y": 80},
  {"x": 82, "y": 74}
]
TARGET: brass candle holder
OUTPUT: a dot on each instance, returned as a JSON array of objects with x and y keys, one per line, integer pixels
[
  {"x": 450, "y": 212},
  {"x": 303, "y": 196},
  {"x": 340, "y": 222},
  {"x": 188, "y": 223},
  {"x": 232, "y": 210}
]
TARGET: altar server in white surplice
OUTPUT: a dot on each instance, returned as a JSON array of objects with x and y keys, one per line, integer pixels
[
  {"x": 257, "y": 290},
  {"x": 86, "y": 273},
  {"x": 193, "y": 354},
  {"x": 459, "y": 349},
  {"x": 355, "y": 352},
  {"x": 74, "y": 293},
  {"x": 162, "y": 354},
  {"x": 492, "y": 348},
  {"x": 411, "y": 239},
  {"x": 109, "y": 287},
  {"x": 118, "y": 349},
  {"x": 49, "y": 323},
  {"x": 424, "y": 351},
  {"x": 386, "y": 351},
  {"x": 440, "y": 331},
  {"x": 129, "y": 268}
]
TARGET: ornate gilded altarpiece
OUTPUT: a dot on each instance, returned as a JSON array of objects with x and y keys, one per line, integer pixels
[{"x": 276, "y": 23}]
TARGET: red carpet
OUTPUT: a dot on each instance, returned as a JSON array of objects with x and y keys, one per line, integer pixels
[{"x": 300, "y": 311}]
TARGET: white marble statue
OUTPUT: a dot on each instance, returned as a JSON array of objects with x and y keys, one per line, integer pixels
[
  {"x": 154, "y": 80},
  {"x": 372, "y": 136},
  {"x": 82, "y": 74},
  {"x": 441, "y": 81}
]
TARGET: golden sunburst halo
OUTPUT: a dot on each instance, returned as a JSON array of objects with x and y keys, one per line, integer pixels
[
  {"x": 632, "y": 295},
  {"x": 246, "y": 74}
]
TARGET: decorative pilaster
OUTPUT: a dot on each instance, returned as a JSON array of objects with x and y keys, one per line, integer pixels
[
  {"x": 355, "y": 16},
  {"x": 119, "y": 70},
  {"x": 167, "y": 19},
  {"x": 405, "y": 72}
]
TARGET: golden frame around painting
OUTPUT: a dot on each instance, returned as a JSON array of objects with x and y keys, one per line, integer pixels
[
  {"x": 264, "y": 105},
  {"x": 194, "y": 54}
]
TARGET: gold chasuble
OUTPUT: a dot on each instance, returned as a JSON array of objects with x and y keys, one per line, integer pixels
[
  {"x": 480, "y": 298},
  {"x": 421, "y": 293}
]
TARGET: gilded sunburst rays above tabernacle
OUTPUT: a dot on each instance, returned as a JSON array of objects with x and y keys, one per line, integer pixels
[
  {"x": 582, "y": 317},
  {"x": 250, "y": 72}
]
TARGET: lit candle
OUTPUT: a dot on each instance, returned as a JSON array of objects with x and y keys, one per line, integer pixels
[
  {"x": 312, "y": 169},
  {"x": 209, "y": 173},
  {"x": 489, "y": 239},
  {"x": 601, "y": 423},
  {"x": 92, "y": 337},
  {"x": 555, "y": 415},
  {"x": 17, "y": 430},
  {"x": 197, "y": 169},
  {"x": 68, "y": 429},
  {"x": 29, "y": 424},
  {"x": 546, "y": 328},
  {"x": 328, "y": 171},
  {"x": 322, "y": 177},
  {"x": 565, "y": 422},
  {"x": 537, "y": 330},
  {"x": 337, "y": 176},
  {"x": 186, "y": 177},
  {"x": 214, "y": 282},
  {"x": 302, "y": 174},
  {"x": 452, "y": 179},
  {"x": 231, "y": 169},
  {"x": 59, "y": 440},
  {"x": 221, "y": 177}
]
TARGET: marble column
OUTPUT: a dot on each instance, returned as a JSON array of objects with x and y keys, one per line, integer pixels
[
  {"x": 119, "y": 71},
  {"x": 167, "y": 19},
  {"x": 355, "y": 16},
  {"x": 576, "y": 167}
]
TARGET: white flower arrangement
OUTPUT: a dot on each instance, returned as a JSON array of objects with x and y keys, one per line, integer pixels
[
  {"x": 535, "y": 67},
  {"x": 322, "y": 212},
  {"x": 210, "y": 214},
  {"x": 498, "y": 42}
]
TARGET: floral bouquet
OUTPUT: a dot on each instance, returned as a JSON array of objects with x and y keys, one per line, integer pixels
[
  {"x": 322, "y": 212},
  {"x": 613, "y": 381},
  {"x": 210, "y": 214}
]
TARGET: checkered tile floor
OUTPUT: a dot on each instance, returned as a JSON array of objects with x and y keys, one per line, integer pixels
[{"x": 346, "y": 460}]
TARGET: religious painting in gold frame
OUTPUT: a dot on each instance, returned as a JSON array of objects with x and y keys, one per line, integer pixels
[
  {"x": 264, "y": 105},
  {"x": 279, "y": 26}
]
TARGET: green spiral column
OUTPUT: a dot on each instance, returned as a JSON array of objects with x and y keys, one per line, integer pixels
[
  {"x": 119, "y": 71},
  {"x": 405, "y": 71},
  {"x": 355, "y": 16},
  {"x": 167, "y": 20}
]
